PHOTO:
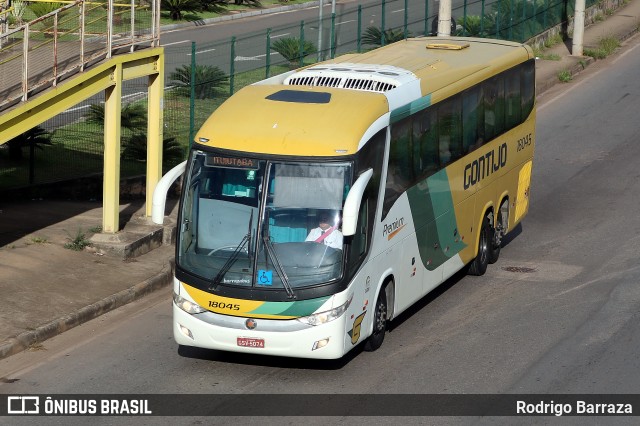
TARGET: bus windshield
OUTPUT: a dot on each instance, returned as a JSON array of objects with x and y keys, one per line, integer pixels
[{"x": 233, "y": 233}]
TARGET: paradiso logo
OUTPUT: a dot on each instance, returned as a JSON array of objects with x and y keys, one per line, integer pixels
[{"x": 390, "y": 230}]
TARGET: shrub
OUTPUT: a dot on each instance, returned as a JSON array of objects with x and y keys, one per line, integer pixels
[
  {"x": 133, "y": 117},
  {"x": 289, "y": 48},
  {"x": 135, "y": 148},
  {"x": 475, "y": 26},
  {"x": 565, "y": 76},
  {"x": 373, "y": 35},
  {"x": 208, "y": 78},
  {"x": 176, "y": 7},
  {"x": 36, "y": 137}
]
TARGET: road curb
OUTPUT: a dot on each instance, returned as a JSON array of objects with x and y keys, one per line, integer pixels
[
  {"x": 581, "y": 64},
  {"x": 29, "y": 338}
]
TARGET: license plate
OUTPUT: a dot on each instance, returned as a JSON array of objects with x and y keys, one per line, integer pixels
[{"x": 250, "y": 342}]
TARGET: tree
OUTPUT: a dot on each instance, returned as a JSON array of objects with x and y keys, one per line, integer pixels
[
  {"x": 373, "y": 35},
  {"x": 34, "y": 138},
  {"x": 133, "y": 117},
  {"x": 41, "y": 9},
  {"x": 176, "y": 7},
  {"x": 207, "y": 79},
  {"x": 135, "y": 148},
  {"x": 289, "y": 48}
]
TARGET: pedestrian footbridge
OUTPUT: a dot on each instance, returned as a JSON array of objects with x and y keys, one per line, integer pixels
[{"x": 61, "y": 58}]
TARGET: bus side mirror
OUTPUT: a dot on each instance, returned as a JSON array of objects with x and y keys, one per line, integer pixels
[
  {"x": 352, "y": 203},
  {"x": 160, "y": 193}
]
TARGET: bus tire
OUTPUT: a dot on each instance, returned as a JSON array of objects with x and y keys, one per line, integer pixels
[
  {"x": 479, "y": 264},
  {"x": 379, "y": 323}
]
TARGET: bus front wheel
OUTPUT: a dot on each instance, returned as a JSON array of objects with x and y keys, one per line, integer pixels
[
  {"x": 479, "y": 264},
  {"x": 379, "y": 323}
]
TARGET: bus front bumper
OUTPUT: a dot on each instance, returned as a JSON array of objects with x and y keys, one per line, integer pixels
[{"x": 288, "y": 338}]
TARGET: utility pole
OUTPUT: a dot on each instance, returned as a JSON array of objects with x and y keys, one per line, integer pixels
[
  {"x": 444, "y": 18},
  {"x": 578, "y": 28},
  {"x": 320, "y": 32}
]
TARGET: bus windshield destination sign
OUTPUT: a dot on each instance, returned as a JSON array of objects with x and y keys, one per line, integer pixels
[{"x": 233, "y": 162}]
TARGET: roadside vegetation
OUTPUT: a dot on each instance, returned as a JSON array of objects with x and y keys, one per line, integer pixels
[
  {"x": 606, "y": 46},
  {"x": 196, "y": 10},
  {"x": 565, "y": 76},
  {"x": 293, "y": 50},
  {"x": 77, "y": 242}
]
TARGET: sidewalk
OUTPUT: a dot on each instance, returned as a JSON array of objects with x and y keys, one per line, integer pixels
[
  {"x": 622, "y": 24},
  {"x": 47, "y": 289}
]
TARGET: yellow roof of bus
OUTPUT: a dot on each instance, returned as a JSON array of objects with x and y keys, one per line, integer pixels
[{"x": 249, "y": 122}]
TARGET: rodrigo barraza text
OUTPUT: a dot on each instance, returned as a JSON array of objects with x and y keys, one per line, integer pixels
[{"x": 578, "y": 407}]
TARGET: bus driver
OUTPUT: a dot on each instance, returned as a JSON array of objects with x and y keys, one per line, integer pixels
[{"x": 325, "y": 233}]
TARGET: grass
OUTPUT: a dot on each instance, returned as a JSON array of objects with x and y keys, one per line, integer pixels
[
  {"x": 77, "y": 243},
  {"x": 606, "y": 46},
  {"x": 565, "y": 76},
  {"x": 553, "y": 40},
  {"x": 549, "y": 56},
  {"x": 39, "y": 240}
]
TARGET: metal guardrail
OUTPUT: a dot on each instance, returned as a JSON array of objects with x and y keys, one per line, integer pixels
[{"x": 40, "y": 53}]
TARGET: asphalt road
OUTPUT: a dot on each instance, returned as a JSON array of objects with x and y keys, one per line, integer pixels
[
  {"x": 558, "y": 313},
  {"x": 213, "y": 41}
]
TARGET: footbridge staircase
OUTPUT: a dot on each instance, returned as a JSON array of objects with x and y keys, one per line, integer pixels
[{"x": 76, "y": 50}]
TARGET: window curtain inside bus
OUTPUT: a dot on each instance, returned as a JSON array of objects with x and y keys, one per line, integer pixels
[{"x": 307, "y": 186}]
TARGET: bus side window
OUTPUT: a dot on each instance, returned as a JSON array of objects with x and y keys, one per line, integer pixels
[
  {"x": 513, "y": 99},
  {"x": 493, "y": 107},
  {"x": 429, "y": 142},
  {"x": 400, "y": 155},
  {"x": 400, "y": 170},
  {"x": 418, "y": 164},
  {"x": 450, "y": 138},
  {"x": 528, "y": 87},
  {"x": 472, "y": 117},
  {"x": 370, "y": 157}
]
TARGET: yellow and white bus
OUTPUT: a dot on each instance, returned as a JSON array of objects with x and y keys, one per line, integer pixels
[{"x": 415, "y": 159}]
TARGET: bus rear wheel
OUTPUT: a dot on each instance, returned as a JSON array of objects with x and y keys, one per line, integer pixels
[
  {"x": 485, "y": 241},
  {"x": 379, "y": 323}
]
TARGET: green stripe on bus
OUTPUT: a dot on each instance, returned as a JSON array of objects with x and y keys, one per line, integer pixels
[
  {"x": 431, "y": 203},
  {"x": 299, "y": 308},
  {"x": 410, "y": 108}
]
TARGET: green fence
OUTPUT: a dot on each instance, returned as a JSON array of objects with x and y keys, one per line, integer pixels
[{"x": 200, "y": 77}]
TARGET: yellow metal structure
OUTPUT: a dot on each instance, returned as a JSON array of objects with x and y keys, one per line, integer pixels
[{"x": 107, "y": 76}]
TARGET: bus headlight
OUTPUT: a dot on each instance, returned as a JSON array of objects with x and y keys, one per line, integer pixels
[
  {"x": 187, "y": 305},
  {"x": 326, "y": 316}
]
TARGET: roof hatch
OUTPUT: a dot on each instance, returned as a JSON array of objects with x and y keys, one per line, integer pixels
[
  {"x": 451, "y": 45},
  {"x": 370, "y": 78}
]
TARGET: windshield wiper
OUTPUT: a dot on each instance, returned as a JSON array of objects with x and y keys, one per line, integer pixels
[
  {"x": 279, "y": 268},
  {"x": 246, "y": 241}
]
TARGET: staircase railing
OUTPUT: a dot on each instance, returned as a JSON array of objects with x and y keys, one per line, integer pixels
[{"x": 39, "y": 54}]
